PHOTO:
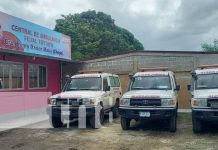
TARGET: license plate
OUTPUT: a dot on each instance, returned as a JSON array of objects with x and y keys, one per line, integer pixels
[
  {"x": 214, "y": 105},
  {"x": 65, "y": 113},
  {"x": 144, "y": 114}
]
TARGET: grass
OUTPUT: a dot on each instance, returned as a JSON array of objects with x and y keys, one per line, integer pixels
[{"x": 184, "y": 118}]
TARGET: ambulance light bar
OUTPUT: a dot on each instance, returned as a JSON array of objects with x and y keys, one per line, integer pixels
[
  {"x": 154, "y": 69},
  {"x": 90, "y": 71},
  {"x": 207, "y": 66}
]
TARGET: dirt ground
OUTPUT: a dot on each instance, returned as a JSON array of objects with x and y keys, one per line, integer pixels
[{"x": 142, "y": 135}]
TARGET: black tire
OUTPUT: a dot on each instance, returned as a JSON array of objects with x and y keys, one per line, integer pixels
[
  {"x": 97, "y": 120},
  {"x": 177, "y": 107},
  {"x": 172, "y": 124},
  {"x": 125, "y": 123},
  {"x": 197, "y": 125},
  {"x": 56, "y": 122},
  {"x": 115, "y": 110}
]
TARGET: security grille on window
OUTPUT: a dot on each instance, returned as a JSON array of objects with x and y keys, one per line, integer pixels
[
  {"x": 37, "y": 76},
  {"x": 11, "y": 75}
]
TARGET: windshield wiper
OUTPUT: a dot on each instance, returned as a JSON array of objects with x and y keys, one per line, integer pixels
[
  {"x": 71, "y": 89},
  {"x": 137, "y": 88},
  {"x": 85, "y": 89},
  {"x": 207, "y": 88}
]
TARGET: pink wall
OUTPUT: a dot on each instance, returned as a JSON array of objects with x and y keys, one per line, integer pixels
[
  {"x": 11, "y": 102},
  {"x": 26, "y": 99}
]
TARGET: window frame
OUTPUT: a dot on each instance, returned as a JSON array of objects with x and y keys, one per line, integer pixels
[
  {"x": 10, "y": 76},
  {"x": 38, "y": 65}
]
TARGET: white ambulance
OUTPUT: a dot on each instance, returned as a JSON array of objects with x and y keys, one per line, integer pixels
[
  {"x": 204, "y": 90},
  {"x": 152, "y": 95},
  {"x": 90, "y": 89}
]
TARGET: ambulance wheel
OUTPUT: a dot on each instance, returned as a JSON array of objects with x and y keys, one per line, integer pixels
[
  {"x": 197, "y": 125},
  {"x": 97, "y": 120},
  {"x": 125, "y": 123},
  {"x": 115, "y": 110},
  {"x": 56, "y": 122},
  {"x": 172, "y": 124}
]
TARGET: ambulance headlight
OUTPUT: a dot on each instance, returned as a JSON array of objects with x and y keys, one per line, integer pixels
[
  {"x": 53, "y": 101},
  {"x": 199, "y": 102},
  {"x": 168, "y": 102},
  {"x": 88, "y": 101},
  {"x": 125, "y": 101}
]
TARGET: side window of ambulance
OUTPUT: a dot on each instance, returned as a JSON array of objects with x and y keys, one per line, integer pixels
[
  {"x": 117, "y": 82},
  {"x": 105, "y": 83},
  {"x": 112, "y": 82}
]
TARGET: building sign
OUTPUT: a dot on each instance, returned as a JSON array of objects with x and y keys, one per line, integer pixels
[{"x": 20, "y": 35}]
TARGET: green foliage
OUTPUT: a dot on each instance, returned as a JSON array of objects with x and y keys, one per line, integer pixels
[
  {"x": 210, "y": 47},
  {"x": 95, "y": 34}
]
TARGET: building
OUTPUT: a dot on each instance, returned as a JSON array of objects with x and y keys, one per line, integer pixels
[{"x": 32, "y": 60}]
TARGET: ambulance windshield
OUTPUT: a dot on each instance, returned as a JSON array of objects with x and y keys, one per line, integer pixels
[{"x": 151, "y": 83}]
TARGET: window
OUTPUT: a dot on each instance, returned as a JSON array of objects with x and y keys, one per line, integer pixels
[
  {"x": 207, "y": 81},
  {"x": 117, "y": 81},
  {"x": 84, "y": 84},
  {"x": 105, "y": 83},
  {"x": 37, "y": 76},
  {"x": 114, "y": 81},
  {"x": 151, "y": 83},
  {"x": 11, "y": 75}
]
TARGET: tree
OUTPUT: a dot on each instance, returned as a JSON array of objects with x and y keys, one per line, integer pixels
[
  {"x": 95, "y": 34},
  {"x": 210, "y": 47}
]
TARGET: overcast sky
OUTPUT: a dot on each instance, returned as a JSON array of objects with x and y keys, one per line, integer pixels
[{"x": 158, "y": 24}]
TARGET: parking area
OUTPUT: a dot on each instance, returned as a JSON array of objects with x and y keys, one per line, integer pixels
[{"x": 142, "y": 135}]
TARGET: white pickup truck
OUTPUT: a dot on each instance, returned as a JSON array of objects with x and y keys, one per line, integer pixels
[
  {"x": 152, "y": 95},
  {"x": 204, "y": 90},
  {"x": 90, "y": 90}
]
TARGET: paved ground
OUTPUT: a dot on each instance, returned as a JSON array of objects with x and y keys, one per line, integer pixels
[{"x": 142, "y": 135}]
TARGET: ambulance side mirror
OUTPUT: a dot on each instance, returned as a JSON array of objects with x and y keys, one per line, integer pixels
[
  {"x": 194, "y": 76},
  {"x": 131, "y": 76},
  {"x": 189, "y": 87},
  {"x": 67, "y": 76},
  {"x": 107, "y": 88},
  {"x": 177, "y": 87}
]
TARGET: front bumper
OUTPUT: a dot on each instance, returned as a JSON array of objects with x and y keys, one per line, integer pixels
[
  {"x": 156, "y": 113},
  {"x": 69, "y": 111},
  {"x": 206, "y": 114}
]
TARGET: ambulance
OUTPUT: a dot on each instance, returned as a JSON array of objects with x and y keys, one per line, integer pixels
[
  {"x": 152, "y": 95},
  {"x": 204, "y": 101},
  {"x": 88, "y": 90}
]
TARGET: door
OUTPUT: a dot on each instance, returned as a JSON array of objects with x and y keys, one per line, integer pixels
[
  {"x": 106, "y": 97},
  {"x": 115, "y": 88}
]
